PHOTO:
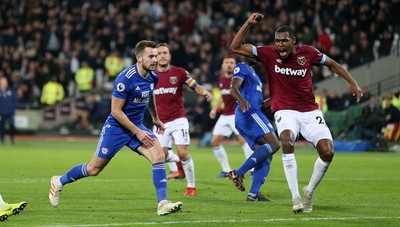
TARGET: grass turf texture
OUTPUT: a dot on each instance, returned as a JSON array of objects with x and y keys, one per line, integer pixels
[{"x": 360, "y": 189}]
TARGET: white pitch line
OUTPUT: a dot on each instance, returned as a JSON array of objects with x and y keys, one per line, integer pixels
[
  {"x": 101, "y": 180},
  {"x": 228, "y": 221}
]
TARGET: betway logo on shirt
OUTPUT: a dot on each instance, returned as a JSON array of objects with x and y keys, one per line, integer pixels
[
  {"x": 163, "y": 90},
  {"x": 225, "y": 92},
  {"x": 290, "y": 71}
]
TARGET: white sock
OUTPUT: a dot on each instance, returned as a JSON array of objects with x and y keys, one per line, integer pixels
[
  {"x": 172, "y": 157},
  {"x": 188, "y": 168},
  {"x": 290, "y": 168},
  {"x": 247, "y": 150},
  {"x": 222, "y": 158},
  {"x": 320, "y": 168},
  {"x": 1, "y": 201},
  {"x": 172, "y": 166}
]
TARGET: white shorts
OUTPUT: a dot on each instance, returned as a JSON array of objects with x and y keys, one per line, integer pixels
[
  {"x": 225, "y": 126},
  {"x": 178, "y": 130},
  {"x": 310, "y": 124}
]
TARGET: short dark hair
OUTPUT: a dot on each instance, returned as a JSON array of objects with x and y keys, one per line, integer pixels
[
  {"x": 140, "y": 46},
  {"x": 287, "y": 29},
  {"x": 163, "y": 45}
]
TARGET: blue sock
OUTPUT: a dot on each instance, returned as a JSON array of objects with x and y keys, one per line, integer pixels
[
  {"x": 160, "y": 180},
  {"x": 259, "y": 155},
  {"x": 260, "y": 174},
  {"x": 74, "y": 174}
]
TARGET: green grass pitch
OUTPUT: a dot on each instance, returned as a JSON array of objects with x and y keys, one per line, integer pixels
[{"x": 360, "y": 189}]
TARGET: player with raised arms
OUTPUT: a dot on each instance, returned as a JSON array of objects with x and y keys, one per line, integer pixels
[{"x": 288, "y": 67}]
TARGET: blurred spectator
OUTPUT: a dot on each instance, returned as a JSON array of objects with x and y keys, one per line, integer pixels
[
  {"x": 52, "y": 93},
  {"x": 333, "y": 101},
  {"x": 84, "y": 77},
  {"x": 371, "y": 122},
  {"x": 113, "y": 65},
  {"x": 347, "y": 99},
  {"x": 8, "y": 103}
]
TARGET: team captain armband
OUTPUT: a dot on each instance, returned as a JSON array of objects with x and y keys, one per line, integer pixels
[{"x": 191, "y": 83}]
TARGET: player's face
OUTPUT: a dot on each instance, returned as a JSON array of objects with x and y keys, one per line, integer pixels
[
  {"x": 284, "y": 44},
  {"x": 228, "y": 64},
  {"x": 163, "y": 56},
  {"x": 148, "y": 58}
]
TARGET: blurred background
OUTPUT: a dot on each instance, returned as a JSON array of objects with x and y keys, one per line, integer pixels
[{"x": 62, "y": 57}]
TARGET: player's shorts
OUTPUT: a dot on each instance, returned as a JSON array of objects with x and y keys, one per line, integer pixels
[
  {"x": 225, "y": 126},
  {"x": 253, "y": 126},
  {"x": 310, "y": 124},
  {"x": 113, "y": 138},
  {"x": 178, "y": 130}
]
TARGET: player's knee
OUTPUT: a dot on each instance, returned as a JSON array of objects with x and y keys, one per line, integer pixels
[
  {"x": 327, "y": 155},
  {"x": 214, "y": 142}
]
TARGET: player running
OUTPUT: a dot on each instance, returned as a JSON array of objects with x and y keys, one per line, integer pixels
[{"x": 133, "y": 92}]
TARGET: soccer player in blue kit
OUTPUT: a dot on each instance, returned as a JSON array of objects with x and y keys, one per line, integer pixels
[
  {"x": 133, "y": 91},
  {"x": 254, "y": 126}
]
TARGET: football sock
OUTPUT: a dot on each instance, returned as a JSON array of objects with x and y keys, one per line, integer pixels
[
  {"x": 160, "y": 180},
  {"x": 172, "y": 166},
  {"x": 260, "y": 174},
  {"x": 188, "y": 168},
  {"x": 320, "y": 168},
  {"x": 259, "y": 155},
  {"x": 74, "y": 174},
  {"x": 290, "y": 169},
  {"x": 247, "y": 150},
  {"x": 222, "y": 158},
  {"x": 1, "y": 201},
  {"x": 171, "y": 156}
]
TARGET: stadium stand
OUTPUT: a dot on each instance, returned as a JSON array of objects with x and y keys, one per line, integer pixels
[{"x": 45, "y": 38}]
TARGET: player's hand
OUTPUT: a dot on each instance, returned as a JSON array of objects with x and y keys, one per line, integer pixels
[
  {"x": 265, "y": 104},
  {"x": 213, "y": 114},
  {"x": 255, "y": 18},
  {"x": 145, "y": 138},
  {"x": 244, "y": 106},
  {"x": 160, "y": 128},
  {"x": 357, "y": 91},
  {"x": 208, "y": 95}
]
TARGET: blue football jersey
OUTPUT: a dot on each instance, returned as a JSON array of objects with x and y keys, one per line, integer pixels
[
  {"x": 136, "y": 90},
  {"x": 251, "y": 88}
]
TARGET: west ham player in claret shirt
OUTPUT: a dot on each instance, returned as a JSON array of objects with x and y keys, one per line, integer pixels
[
  {"x": 170, "y": 108},
  {"x": 292, "y": 101}
]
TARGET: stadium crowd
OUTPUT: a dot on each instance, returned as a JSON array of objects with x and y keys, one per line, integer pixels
[{"x": 77, "y": 46}]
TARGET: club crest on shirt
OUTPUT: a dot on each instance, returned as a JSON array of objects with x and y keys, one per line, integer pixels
[
  {"x": 173, "y": 79},
  {"x": 301, "y": 60}
]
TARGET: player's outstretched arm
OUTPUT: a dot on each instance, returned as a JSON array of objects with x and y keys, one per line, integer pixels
[
  {"x": 213, "y": 112},
  {"x": 342, "y": 72},
  {"x": 237, "y": 45},
  {"x": 236, "y": 83},
  {"x": 202, "y": 91}
]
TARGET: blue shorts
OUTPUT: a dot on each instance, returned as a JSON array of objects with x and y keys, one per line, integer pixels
[
  {"x": 252, "y": 126},
  {"x": 113, "y": 138}
]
